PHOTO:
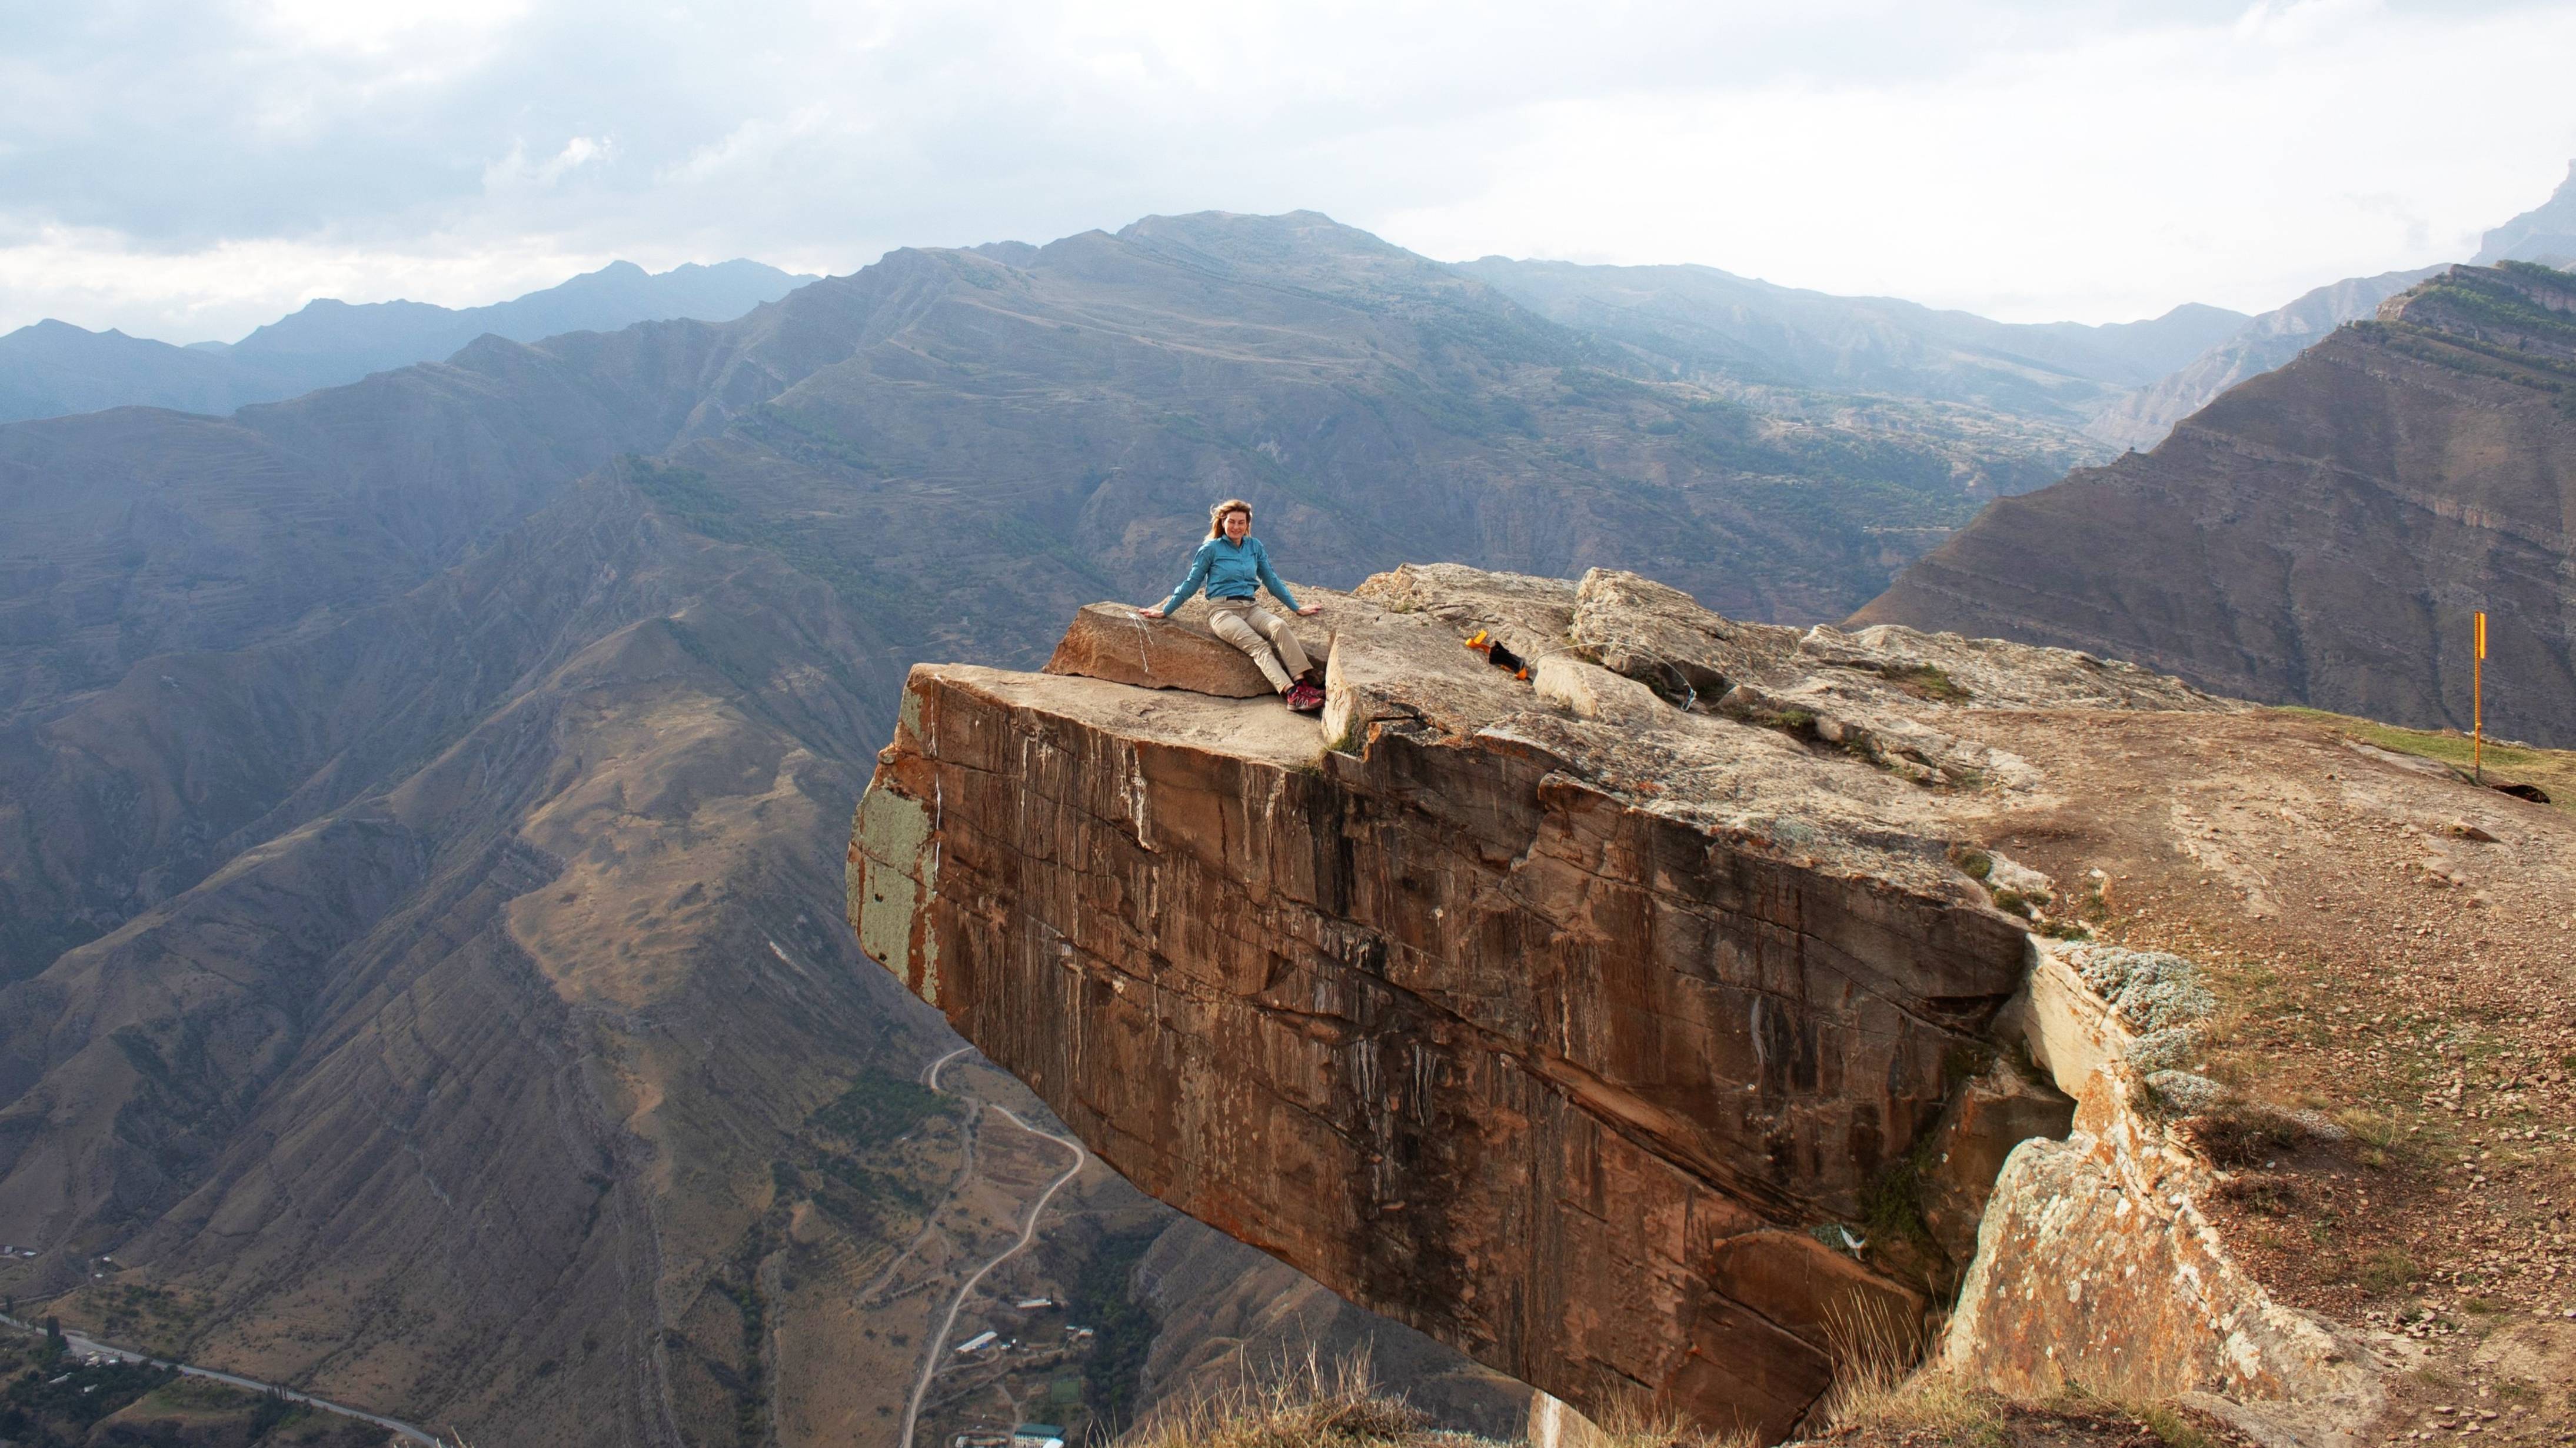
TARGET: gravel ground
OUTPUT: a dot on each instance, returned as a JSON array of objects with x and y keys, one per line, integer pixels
[{"x": 2395, "y": 955}]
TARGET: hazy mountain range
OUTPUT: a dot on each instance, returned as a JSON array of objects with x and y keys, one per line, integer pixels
[
  {"x": 53, "y": 368},
  {"x": 1700, "y": 323},
  {"x": 2120, "y": 386},
  {"x": 421, "y": 801},
  {"x": 2142, "y": 418},
  {"x": 1685, "y": 321},
  {"x": 2546, "y": 233},
  {"x": 2057, "y": 384}
]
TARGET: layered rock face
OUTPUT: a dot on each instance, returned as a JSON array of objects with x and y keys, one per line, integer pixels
[
  {"x": 2322, "y": 534},
  {"x": 1567, "y": 1019}
]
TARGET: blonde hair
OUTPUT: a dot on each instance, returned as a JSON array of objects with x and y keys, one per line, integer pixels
[{"x": 1216, "y": 515}]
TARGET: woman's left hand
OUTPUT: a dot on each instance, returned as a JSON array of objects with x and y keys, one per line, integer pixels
[{"x": 1309, "y": 610}]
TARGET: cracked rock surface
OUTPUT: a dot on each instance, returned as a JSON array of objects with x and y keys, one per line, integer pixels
[{"x": 1563, "y": 1038}]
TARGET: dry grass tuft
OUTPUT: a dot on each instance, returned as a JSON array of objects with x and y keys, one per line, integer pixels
[
  {"x": 1637, "y": 1422},
  {"x": 1305, "y": 1406},
  {"x": 1880, "y": 1392},
  {"x": 1310, "y": 1406},
  {"x": 2554, "y": 770},
  {"x": 2173, "y": 1429},
  {"x": 1875, "y": 1349},
  {"x": 1929, "y": 1404}
]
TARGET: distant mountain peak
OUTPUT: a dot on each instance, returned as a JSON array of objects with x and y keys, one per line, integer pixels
[
  {"x": 2141, "y": 419},
  {"x": 1235, "y": 228},
  {"x": 2203, "y": 311},
  {"x": 2546, "y": 233},
  {"x": 1266, "y": 219}
]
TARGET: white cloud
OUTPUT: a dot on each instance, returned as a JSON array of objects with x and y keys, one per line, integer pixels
[
  {"x": 516, "y": 173},
  {"x": 210, "y": 168},
  {"x": 751, "y": 148},
  {"x": 2109, "y": 179}
]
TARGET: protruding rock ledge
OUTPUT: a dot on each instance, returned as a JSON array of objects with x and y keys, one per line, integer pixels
[{"x": 1570, "y": 1026}]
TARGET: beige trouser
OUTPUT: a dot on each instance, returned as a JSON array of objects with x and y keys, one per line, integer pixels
[{"x": 1246, "y": 625}]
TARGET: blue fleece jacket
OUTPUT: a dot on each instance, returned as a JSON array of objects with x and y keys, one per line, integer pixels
[{"x": 1230, "y": 571}]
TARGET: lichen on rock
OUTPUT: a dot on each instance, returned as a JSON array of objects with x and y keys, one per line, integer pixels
[
  {"x": 2095, "y": 1267},
  {"x": 2150, "y": 990}
]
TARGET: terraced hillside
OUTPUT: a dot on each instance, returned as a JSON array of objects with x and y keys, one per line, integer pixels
[{"x": 2321, "y": 534}]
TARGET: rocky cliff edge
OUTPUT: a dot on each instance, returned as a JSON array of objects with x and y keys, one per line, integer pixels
[{"x": 1643, "y": 1019}]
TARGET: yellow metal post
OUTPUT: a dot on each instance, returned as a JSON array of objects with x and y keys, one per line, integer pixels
[{"x": 2478, "y": 704}]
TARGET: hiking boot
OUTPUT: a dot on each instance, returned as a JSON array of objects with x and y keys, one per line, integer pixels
[{"x": 1305, "y": 696}]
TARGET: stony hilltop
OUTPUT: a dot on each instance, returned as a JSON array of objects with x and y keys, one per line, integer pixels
[
  {"x": 1719, "y": 995},
  {"x": 2321, "y": 534}
]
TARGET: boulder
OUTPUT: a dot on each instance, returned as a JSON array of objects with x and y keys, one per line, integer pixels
[
  {"x": 2095, "y": 1266},
  {"x": 1589, "y": 691},
  {"x": 1472, "y": 1009},
  {"x": 1658, "y": 635},
  {"x": 1113, "y": 641}
]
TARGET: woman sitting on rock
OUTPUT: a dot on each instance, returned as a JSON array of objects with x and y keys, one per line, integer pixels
[{"x": 1235, "y": 568}]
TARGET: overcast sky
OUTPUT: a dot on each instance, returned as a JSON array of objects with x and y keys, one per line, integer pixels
[{"x": 189, "y": 170}]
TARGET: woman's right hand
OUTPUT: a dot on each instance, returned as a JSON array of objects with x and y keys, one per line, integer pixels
[{"x": 1149, "y": 613}]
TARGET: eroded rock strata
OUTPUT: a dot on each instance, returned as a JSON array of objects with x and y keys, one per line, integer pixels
[
  {"x": 1573, "y": 1041},
  {"x": 2323, "y": 533}
]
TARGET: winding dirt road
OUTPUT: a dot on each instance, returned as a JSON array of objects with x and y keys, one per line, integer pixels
[{"x": 938, "y": 1343}]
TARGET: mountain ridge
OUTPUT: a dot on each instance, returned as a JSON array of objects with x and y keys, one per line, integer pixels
[
  {"x": 419, "y": 795},
  {"x": 52, "y": 368},
  {"x": 1699, "y": 317},
  {"x": 2144, "y": 417},
  {"x": 2546, "y": 233},
  {"x": 2320, "y": 534}
]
